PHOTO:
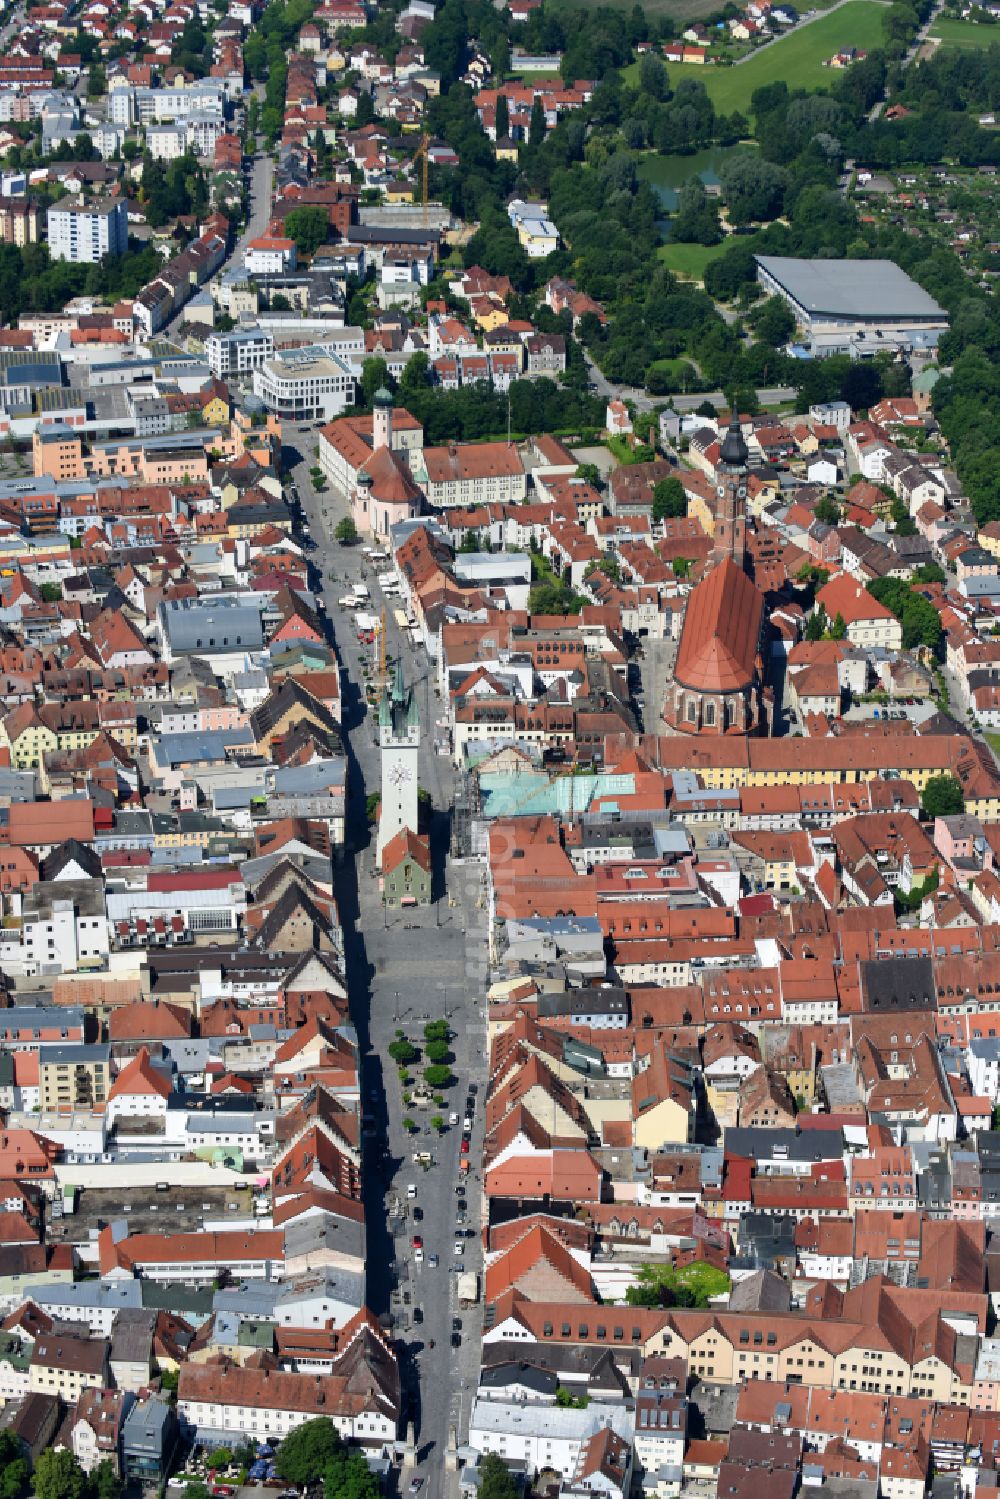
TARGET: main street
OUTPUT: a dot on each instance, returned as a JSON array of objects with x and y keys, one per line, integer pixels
[{"x": 403, "y": 969}]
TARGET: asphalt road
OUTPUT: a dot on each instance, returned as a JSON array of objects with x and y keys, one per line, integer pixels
[
  {"x": 767, "y": 396},
  {"x": 404, "y": 968},
  {"x": 14, "y": 25},
  {"x": 261, "y": 181}
]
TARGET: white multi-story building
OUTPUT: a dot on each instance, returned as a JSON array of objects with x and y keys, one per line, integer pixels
[
  {"x": 487, "y": 473},
  {"x": 203, "y": 130},
  {"x": 307, "y": 385},
  {"x": 196, "y": 133},
  {"x": 660, "y": 1428},
  {"x": 269, "y": 255},
  {"x": 238, "y": 353},
  {"x": 219, "y": 1402},
  {"x": 166, "y": 142},
  {"x": 983, "y": 1059},
  {"x": 130, "y": 106},
  {"x": 64, "y": 928},
  {"x": 85, "y": 232},
  {"x": 543, "y": 1436}
]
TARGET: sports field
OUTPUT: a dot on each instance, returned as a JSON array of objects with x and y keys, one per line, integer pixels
[
  {"x": 966, "y": 34},
  {"x": 797, "y": 58}
]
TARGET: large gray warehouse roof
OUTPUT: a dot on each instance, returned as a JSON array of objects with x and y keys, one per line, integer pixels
[{"x": 850, "y": 288}]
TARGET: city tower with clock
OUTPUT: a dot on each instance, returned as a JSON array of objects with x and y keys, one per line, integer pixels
[
  {"x": 399, "y": 742},
  {"x": 717, "y": 676}
]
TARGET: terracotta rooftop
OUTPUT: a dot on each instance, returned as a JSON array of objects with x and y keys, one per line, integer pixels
[{"x": 721, "y": 630}]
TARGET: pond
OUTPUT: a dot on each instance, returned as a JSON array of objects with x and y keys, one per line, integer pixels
[{"x": 668, "y": 174}]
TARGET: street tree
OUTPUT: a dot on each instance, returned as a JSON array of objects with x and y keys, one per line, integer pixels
[
  {"x": 348, "y": 1476},
  {"x": 495, "y": 1481},
  {"x": 306, "y": 1452},
  {"x": 346, "y": 532},
  {"x": 403, "y": 1052}
]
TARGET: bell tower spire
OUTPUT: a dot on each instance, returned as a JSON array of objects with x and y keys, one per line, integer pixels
[{"x": 730, "y": 539}]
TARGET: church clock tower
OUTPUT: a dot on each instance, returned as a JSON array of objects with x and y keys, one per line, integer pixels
[
  {"x": 730, "y": 539},
  {"x": 399, "y": 741}
]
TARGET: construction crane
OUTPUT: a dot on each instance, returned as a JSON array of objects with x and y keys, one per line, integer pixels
[{"x": 420, "y": 154}]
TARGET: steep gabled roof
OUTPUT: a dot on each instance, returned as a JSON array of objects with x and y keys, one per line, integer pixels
[
  {"x": 721, "y": 632},
  {"x": 538, "y": 1244},
  {"x": 140, "y": 1077}
]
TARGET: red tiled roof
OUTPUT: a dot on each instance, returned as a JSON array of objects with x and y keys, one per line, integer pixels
[{"x": 721, "y": 630}]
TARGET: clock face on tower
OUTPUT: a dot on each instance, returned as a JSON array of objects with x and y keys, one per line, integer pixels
[{"x": 400, "y": 774}]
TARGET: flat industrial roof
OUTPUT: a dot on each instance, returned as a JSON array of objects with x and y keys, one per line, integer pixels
[{"x": 851, "y": 288}]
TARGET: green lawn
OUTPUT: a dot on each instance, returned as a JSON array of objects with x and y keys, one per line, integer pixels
[
  {"x": 966, "y": 34},
  {"x": 993, "y": 740},
  {"x": 673, "y": 369},
  {"x": 689, "y": 260},
  {"x": 797, "y": 58}
]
